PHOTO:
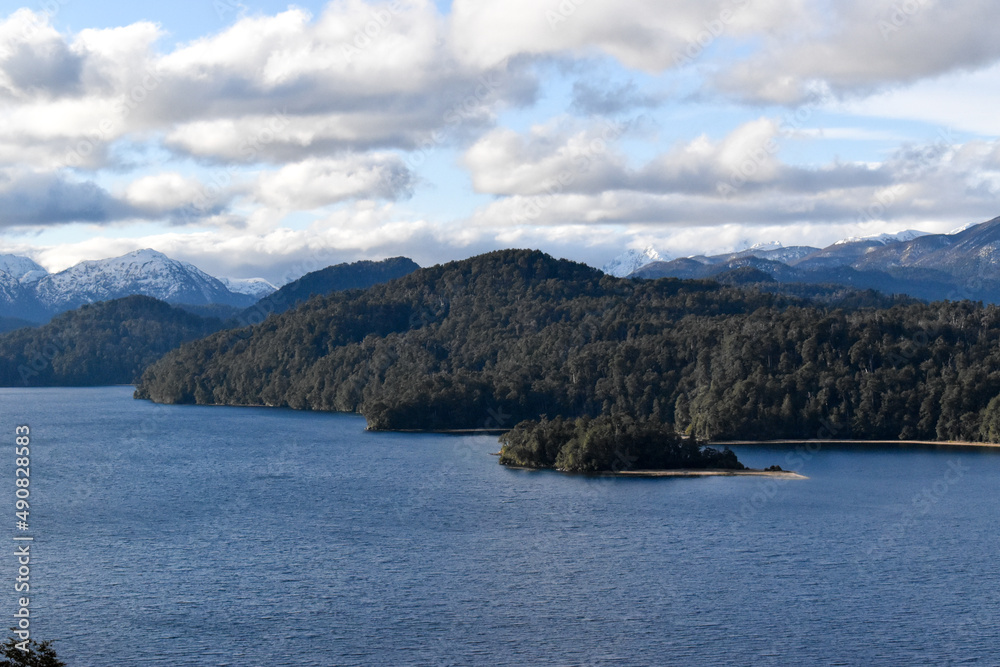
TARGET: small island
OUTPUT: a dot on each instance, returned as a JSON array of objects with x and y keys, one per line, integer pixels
[{"x": 618, "y": 445}]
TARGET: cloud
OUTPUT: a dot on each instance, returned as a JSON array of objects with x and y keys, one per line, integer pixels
[
  {"x": 550, "y": 156},
  {"x": 606, "y": 99},
  {"x": 862, "y": 47},
  {"x": 790, "y": 51},
  {"x": 178, "y": 198},
  {"x": 356, "y": 77},
  {"x": 315, "y": 183},
  {"x": 553, "y": 176},
  {"x": 642, "y": 34},
  {"x": 555, "y": 160},
  {"x": 38, "y": 198}
]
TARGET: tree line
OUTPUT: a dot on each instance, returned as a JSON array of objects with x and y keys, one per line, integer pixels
[{"x": 517, "y": 335}]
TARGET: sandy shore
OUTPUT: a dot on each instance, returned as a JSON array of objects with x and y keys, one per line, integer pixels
[
  {"x": 782, "y": 474},
  {"x": 858, "y": 443}
]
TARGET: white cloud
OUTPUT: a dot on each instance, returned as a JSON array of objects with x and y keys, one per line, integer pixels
[
  {"x": 357, "y": 76},
  {"x": 966, "y": 101},
  {"x": 862, "y": 47},
  {"x": 165, "y": 192},
  {"x": 315, "y": 183},
  {"x": 643, "y": 34},
  {"x": 738, "y": 180},
  {"x": 554, "y": 159}
]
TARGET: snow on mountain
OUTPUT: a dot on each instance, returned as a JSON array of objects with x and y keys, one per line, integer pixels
[
  {"x": 23, "y": 269},
  {"x": 898, "y": 237},
  {"x": 961, "y": 229},
  {"x": 255, "y": 287},
  {"x": 774, "y": 251},
  {"x": 145, "y": 272},
  {"x": 32, "y": 277},
  {"x": 630, "y": 261}
]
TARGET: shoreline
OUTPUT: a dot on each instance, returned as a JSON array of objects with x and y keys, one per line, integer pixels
[
  {"x": 779, "y": 474},
  {"x": 859, "y": 443}
]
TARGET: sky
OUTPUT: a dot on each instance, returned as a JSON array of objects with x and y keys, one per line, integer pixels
[{"x": 266, "y": 139}]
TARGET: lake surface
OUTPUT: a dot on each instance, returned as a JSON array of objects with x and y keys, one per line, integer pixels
[{"x": 235, "y": 536}]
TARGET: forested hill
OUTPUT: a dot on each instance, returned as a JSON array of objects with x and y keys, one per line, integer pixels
[
  {"x": 514, "y": 335},
  {"x": 104, "y": 343},
  {"x": 337, "y": 278}
]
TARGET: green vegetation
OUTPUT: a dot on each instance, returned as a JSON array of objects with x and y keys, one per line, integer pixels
[
  {"x": 105, "y": 343},
  {"x": 37, "y": 654},
  {"x": 514, "y": 335},
  {"x": 607, "y": 444},
  {"x": 338, "y": 278}
]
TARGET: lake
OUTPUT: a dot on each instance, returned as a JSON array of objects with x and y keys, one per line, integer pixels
[{"x": 180, "y": 535}]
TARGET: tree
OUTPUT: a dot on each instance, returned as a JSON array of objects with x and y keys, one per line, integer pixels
[
  {"x": 989, "y": 431},
  {"x": 38, "y": 654}
]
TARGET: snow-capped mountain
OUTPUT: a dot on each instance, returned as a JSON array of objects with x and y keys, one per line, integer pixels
[
  {"x": 884, "y": 239},
  {"x": 630, "y": 261},
  {"x": 145, "y": 272},
  {"x": 25, "y": 270},
  {"x": 258, "y": 288},
  {"x": 964, "y": 264},
  {"x": 773, "y": 251},
  {"x": 961, "y": 229}
]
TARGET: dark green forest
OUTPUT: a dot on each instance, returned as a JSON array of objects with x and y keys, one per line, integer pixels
[
  {"x": 104, "y": 343},
  {"x": 338, "y": 278},
  {"x": 515, "y": 335},
  {"x": 609, "y": 442}
]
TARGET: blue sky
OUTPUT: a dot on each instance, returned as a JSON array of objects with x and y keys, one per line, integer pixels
[{"x": 267, "y": 139}]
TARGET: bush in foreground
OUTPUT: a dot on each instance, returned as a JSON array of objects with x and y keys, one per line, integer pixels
[{"x": 38, "y": 654}]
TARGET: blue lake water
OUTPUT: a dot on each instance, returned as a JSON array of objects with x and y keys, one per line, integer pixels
[{"x": 172, "y": 535}]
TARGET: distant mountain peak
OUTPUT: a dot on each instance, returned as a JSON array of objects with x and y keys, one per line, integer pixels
[
  {"x": 630, "y": 261},
  {"x": 146, "y": 253},
  {"x": 898, "y": 237},
  {"x": 26, "y": 270},
  {"x": 146, "y": 271},
  {"x": 767, "y": 245},
  {"x": 963, "y": 228},
  {"x": 255, "y": 287}
]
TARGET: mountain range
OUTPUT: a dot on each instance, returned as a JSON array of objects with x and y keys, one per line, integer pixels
[
  {"x": 959, "y": 265},
  {"x": 29, "y": 292}
]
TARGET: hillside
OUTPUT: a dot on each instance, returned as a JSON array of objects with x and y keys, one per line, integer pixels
[
  {"x": 337, "y": 278},
  {"x": 514, "y": 335},
  {"x": 100, "y": 344}
]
